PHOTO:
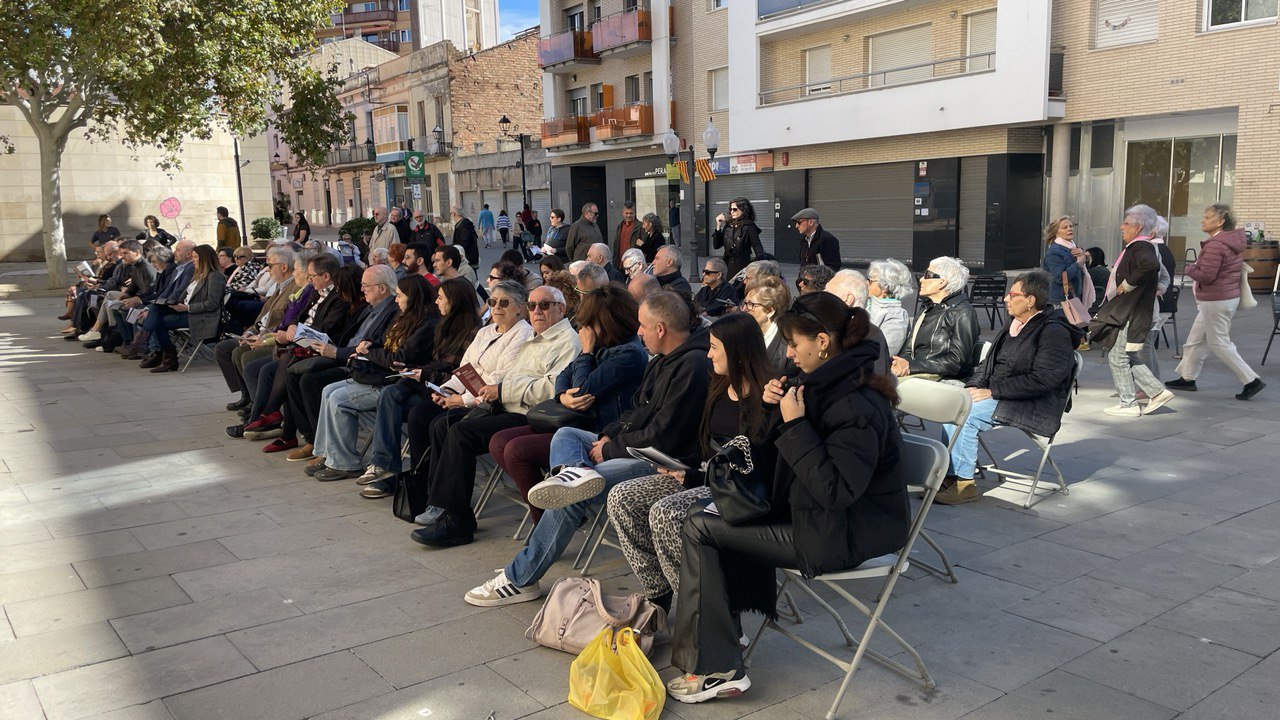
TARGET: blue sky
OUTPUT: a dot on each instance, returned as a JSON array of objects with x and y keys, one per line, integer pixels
[{"x": 516, "y": 15}]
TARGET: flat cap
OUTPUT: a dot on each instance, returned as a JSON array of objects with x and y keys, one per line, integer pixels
[{"x": 806, "y": 214}]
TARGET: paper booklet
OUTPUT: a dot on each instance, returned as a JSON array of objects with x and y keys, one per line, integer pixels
[
  {"x": 441, "y": 390},
  {"x": 85, "y": 269},
  {"x": 307, "y": 336},
  {"x": 470, "y": 379},
  {"x": 654, "y": 456}
]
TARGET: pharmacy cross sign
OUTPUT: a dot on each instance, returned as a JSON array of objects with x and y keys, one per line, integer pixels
[{"x": 415, "y": 169}]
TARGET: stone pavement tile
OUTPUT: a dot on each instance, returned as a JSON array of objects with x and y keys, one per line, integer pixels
[
  {"x": 987, "y": 523},
  {"x": 777, "y": 712},
  {"x": 1110, "y": 536},
  {"x": 284, "y": 540},
  {"x": 355, "y": 583},
  {"x": 1165, "y": 572},
  {"x": 1239, "y": 494},
  {"x": 270, "y": 571},
  {"x": 445, "y": 648},
  {"x": 543, "y": 673},
  {"x": 1162, "y": 666},
  {"x": 1037, "y": 563},
  {"x": 132, "y": 680},
  {"x": 54, "y": 486},
  {"x": 1093, "y": 608},
  {"x": 217, "y": 616},
  {"x": 1266, "y": 517},
  {"x": 469, "y": 694},
  {"x": 86, "y": 441},
  {"x": 153, "y": 563},
  {"x": 288, "y": 641},
  {"x": 1219, "y": 434},
  {"x": 58, "y": 650},
  {"x": 119, "y": 519},
  {"x": 47, "y": 553},
  {"x": 82, "y": 607},
  {"x": 933, "y": 606},
  {"x": 876, "y": 692},
  {"x": 63, "y": 463},
  {"x": 309, "y": 511},
  {"x": 1172, "y": 516},
  {"x": 1248, "y": 547},
  {"x": 38, "y": 583},
  {"x": 1226, "y": 617},
  {"x": 1255, "y": 695},
  {"x": 1067, "y": 697},
  {"x": 1030, "y": 650},
  {"x": 958, "y": 550},
  {"x": 163, "y": 447},
  {"x": 1263, "y": 582},
  {"x": 210, "y": 527},
  {"x": 291, "y": 692},
  {"x": 18, "y": 700},
  {"x": 154, "y": 710},
  {"x": 441, "y": 602}
]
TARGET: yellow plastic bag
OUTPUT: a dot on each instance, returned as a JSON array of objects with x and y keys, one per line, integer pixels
[{"x": 612, "y": 679}]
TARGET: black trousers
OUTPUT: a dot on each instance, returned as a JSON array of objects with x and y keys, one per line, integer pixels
[
  {"x": 222, "y": 351},
  {"x": 304, "y": 380},
  {"x": 454, "y": 449},
  {"x": 704, "y": 633},
  {"x": 418, "y": 425}
]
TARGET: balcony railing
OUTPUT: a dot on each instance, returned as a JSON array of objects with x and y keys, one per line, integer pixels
[
  {"x": 386, "y": 43},
  {"x": 765, "y": 8},
  {"x": 566, "y": 47},
  {"x": 349, "y": 155},
  {"x": 566, "y": 131},
  {"x": 623, "y": 123},
  {"x": 920, "y": 72},
  {"x": 622, "y": 30},
  {"x": 430, "y": 145},
  {"x": 364, "y": 16}
]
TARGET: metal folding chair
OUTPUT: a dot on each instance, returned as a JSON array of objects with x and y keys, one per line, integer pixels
[
  {"x": 1045, "y": 446},
  {"x": 1275, "y": 316},
  {"x": 988, "y": 294},
  {"x": 939, "y": 403},
  {"x": 924, "y": 463}
]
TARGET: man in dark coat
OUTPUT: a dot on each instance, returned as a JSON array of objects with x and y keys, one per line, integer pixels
[
  {"x": 1025, "y": 381},
  {"x": 425, "y": 231},
  {"x": 464, "y": 235},
  {"x": 583, "y": 233},
  {"x": 817, "y": 245},
  {"x": 666, "y": 267}
]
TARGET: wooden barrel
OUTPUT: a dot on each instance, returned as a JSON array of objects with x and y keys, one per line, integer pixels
[{"x": 1263, "y": 257}]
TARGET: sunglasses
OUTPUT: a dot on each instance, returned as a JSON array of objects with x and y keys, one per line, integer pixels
[
  {"x": 734, "y": 209},
  {"x": 495, "y": 278},
  {"x": 543, "y": 305},
  {"x": 710, "y": 272},
  {"x": 499, "y": 302},
  {"x": 930, "y": 275},
  {"x": 801, "y": 282}
]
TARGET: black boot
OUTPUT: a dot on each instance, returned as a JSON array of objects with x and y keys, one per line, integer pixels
[{"x": 151, "y": 360}]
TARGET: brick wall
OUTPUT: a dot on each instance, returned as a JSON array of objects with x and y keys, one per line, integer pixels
[{"x": 504, "y": 79}]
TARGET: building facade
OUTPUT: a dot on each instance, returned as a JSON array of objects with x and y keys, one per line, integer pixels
[{"x": 404, "y": 26}]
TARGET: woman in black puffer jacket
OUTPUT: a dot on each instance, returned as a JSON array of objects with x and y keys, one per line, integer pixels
[
  {"x": 837, "y": 497},
  {"x": 738, "y": 235}
]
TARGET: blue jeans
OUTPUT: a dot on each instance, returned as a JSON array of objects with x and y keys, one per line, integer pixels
[
  {"x": 571, "y": 447},
  {"x": 555, "y": 530},
  {"x": 259, "y": 376},
  {"x": 964, "y": 455},
  {"x": 394, "y": 405},
  {"x": 342, "y": 404}
]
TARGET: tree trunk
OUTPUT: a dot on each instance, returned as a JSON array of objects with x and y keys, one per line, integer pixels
[{"x": 55, "y": 246}]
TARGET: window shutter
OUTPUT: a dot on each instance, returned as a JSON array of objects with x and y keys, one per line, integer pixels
[
  {"x": 1102, "y": 148},
  {"x": 817, "y": 69},
  {"x": 720, "y": 89},
  {"x": 1125, "y": 22},
  {"x": 897, "y": 49},
  {"x": 982, "y": 39}
]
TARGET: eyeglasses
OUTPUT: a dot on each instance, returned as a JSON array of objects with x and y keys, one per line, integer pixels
[
  {"x": 543, "y": 305},
  {"x": 750, "y": 305},
  {"x": 417, "y": 217},
  {"x": 499, "y": 302},
  {"x": 930, "y": 275},
  {"x": 313, "y": 276},
  {"x": 801, "y": 282},
  {"x": 494, "y": 278},
  {"x": 633, "y": 267},
  {"x": 1013, "y": 294},
  {"x": 710, "y": 272}
]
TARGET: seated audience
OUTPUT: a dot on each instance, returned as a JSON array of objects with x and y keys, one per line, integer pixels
[
  {"x": 598, "y": 254},
  {"x": 133, "y": 342},
  {"x": 531, "y": 280},
  {"x": 232, "y": 353},
  {"x": 642, "y": 286},
  {"x": 666, "y": 267},
  {"x": 767, "y": 299},
  {"x": 837, "y": 497},
  {"x": 889, "y": 281},
  {"x": 754, "y": 270},
  {"x": 591, "y": 277},
  {"x": 813, "y": 278},
  {"x": 395, "y": 258},
  {"x": 139, "y": 276},
  {"x": 226, "y": 260},
  {"x": 417, "y": 261},
  {"x": 634, "y": 263},
  {"x": 1024, "y": 383},
  {"x": 945, "y": 336},
  {"x": 549, "y": 264},
  {"x": 243, "y": 302},
  {"x": 568, "y": 286},
  {"x": 199, "y": 308},
  {"x": 717, "y": 295}
]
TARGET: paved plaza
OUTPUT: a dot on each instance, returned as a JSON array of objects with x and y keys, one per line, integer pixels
[{"x": 152, "y": 568}]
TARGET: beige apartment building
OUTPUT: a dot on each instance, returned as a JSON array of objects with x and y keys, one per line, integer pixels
[
  {"x": 919, "y": 128},
  {"x": 404, "y": 26}
]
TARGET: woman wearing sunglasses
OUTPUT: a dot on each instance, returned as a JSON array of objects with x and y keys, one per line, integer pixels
[
  {"x": 942, "y": 343},
  {"x": 738, "y": 235}
]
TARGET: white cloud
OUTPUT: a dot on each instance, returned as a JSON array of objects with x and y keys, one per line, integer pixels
[{"x": 511, "y": 23}]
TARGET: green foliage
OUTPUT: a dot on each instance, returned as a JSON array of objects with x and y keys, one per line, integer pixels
[
  {"x": 357, "y": 227},
  {"x": 265, "y": 228}
]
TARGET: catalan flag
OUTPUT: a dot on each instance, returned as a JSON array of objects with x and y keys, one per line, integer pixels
[
  {"x": 705, "y": 173},
  {"x": 684, "y": 171}
]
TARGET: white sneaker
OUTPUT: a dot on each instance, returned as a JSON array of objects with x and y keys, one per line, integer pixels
[
  {"x": 1158, "y": 402},
  {"x": 700, "y": 688},
  {"x": 1125, "y": 410},
  {"x": 99, "y": 349},
  {"x": 569, "y": 486},
  {"x": 501, "y": 591},
  {"x": 90, "y": 336},
  {"x": 373, "y": 474}
]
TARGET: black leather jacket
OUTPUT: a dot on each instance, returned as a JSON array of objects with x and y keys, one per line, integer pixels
[{"x": 944, "y": 338}]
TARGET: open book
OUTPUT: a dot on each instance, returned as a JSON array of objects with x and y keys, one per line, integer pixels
[
  {"x": 656, "y": 457},
  {"x": 307, "y": 336}
]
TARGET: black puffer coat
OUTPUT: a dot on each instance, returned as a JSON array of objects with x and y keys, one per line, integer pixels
[
  {"x": 944, "y": 338},
  {"x": 1030, "y": 376}
]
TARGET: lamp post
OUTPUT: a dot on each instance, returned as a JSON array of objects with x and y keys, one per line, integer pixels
[
  {"x": 505, "y": 124},
  {"x": 671, "y": 145},
  {"x": 711, "y": 141}
]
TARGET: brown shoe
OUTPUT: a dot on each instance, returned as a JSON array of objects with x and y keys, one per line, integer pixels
[
  {"x": 300, "y": 454},
  {"x": 168, "y": 362},
  {"x": 958, "y": 493}
]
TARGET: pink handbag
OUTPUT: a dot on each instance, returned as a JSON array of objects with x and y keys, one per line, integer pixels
[
  {"x": 576, "y": 611},
  {"x": 1073, "y": 307}
]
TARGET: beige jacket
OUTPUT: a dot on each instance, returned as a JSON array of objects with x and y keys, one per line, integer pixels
[
  {"x": 531, "y": 379},
  {"x": 383, "y": 236}
]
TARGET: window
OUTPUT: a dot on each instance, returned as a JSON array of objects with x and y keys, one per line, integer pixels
[
  {"x": 717, "y": 5},
  {"x": 630, "y": 5},
  {"x": 597, "y": 97},
  {"x": 471, "y": 17},
  {"x": 368, "y": 7},
  {"x": 1229, "y": 12},
  {"x": 422, "y": 119},
  {"x": 1125, "y": 22},
  {"x": 718, "y": 88},
  {"x": 577, "y": 102},
  {"x": 648, "y": 86},
  {"x": 817, "y": 70},
  {"x": 631, "y": 87},
  {"x": 575, "y": 18},
  {"x": 406, "y": 36},
  {"x": 596, "y": 12},
  {"x": 439, "y": 103},
  {"x": 907, "y": 48},
  {"x": 405, "y": 5},
  {"x": 981, "y": 31}
]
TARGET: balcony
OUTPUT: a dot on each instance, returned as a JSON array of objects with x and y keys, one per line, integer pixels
[
  {"x": 567, "y": 51},
  {"x": 430, "y": 145},
  {"x": 368, "y": 16},
  {"x": 624, "y": 123},
  {"x": 385, "y": 43},
  {"x": 889, "y": 77},
  {"x": 344, "y": 22},
  {"x": 567, "y": 132},
  {"x": 350, "y": 155},
  {"x": 622, "y": 34}
]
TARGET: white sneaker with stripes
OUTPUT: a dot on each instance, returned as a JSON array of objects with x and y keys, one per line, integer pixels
[
  {"x": 501, "y": 591},
  {"x": 570, "y": 485}
]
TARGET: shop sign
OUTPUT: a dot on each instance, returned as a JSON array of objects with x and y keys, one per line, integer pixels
[{"x": 415, "y": 170}]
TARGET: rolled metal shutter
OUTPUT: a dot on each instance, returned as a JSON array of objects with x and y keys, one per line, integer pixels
[
  {"x": 868, "y": 209},
  {"x": 471, "y": 204},
  {"x": 756, "y": 187},
  {"x": 900, "y": 49},
  {"x": 494, "y": 199},
  {"x": 973, "y": 210},
  {"x": 514, "y": 204},
  {"x": 1125, "y": 22},
  {"x": 540, "y": 200}
]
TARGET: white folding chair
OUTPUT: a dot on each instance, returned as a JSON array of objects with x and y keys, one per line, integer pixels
[
  {"x": 1044, "y": 444},
  {"x": 924, "y": 463},
  {"x": 940, "y": 403}
]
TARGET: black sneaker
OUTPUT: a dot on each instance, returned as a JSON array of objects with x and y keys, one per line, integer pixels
[
  {"x": 240, "y": 404},
  {"x": 1251, "y": 389},
  {"x": 1180, "y": 384},
  {"x": 445, "y": 533},
  {"x": 235, "y": 431}
]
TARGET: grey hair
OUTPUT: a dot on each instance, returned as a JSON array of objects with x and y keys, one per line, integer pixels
[
  {"x": 761, "y": 268},
  {"x": 280, "y": 254},
  {"x": 849, "y": 282},
  {"x": 1224, "y": 213},
  {"x": 514, "y": 290},
  {"x": 672, "y": 252},
  {"x": 1162, "y": 228},
  {"x": 595, "y": 274},
  {"x": 458, "y": 209},
  {"x": 384, "y": 276},
  {"x": 161, "y": 254},
  {"x": 599, "y": 248},
  {"x": 379, "y": 256},
  {"x": 633, "y": 254},
  {"x": 576, "y": 266},
  {"x": 1145, "y": 216},
  {"x": 556, "y": 295},
  {"x": 303, "y": 259},
  {"x": 892, "y": 276},
  {"x": 719, "y": 265},
  {"x": 653, "y": 220},
  {"x": 952, "y": 270}
]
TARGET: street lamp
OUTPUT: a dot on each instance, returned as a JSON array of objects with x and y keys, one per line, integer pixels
[
  {"x": 671, "y": 145},
  {"x": 505, "y": 125},
  {"x": 711, "y": 141}
]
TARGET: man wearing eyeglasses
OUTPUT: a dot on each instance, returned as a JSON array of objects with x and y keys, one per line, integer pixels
[
  {"x": 818, "y": 246},
  {"x": 384, "y": 233},
  {"x": 455, "y": 444},
  {"x": 583, "y": 233},
  {"x": 717, "y": 294},
  {"x": 425, "y": 231}
]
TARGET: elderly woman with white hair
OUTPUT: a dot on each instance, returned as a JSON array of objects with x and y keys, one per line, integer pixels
[
  {"x": 941, "y": 345},
  {"x": 888, "y": 281},
  {"x": 717, "y": 294}
]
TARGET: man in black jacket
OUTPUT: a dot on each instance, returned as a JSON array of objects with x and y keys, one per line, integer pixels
[
  {"x": 817, "y": 245},
  {"x": 425, "y": 231},
  {"x": 1025, "y": 381},
  {"x": 665, "y": 416},
  {"x": 666, "y": 267},
  {"x": 464, "y": 235}
]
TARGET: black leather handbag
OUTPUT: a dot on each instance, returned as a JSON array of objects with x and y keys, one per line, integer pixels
[
  {"x": 738, "y": 485},
  {"x": 549, "y": 416}
]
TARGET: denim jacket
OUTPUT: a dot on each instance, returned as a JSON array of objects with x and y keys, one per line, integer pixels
[{"x": 612, "y": 375}]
